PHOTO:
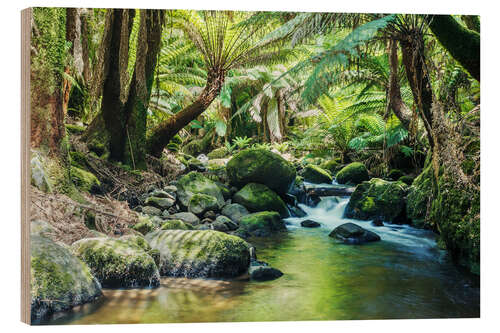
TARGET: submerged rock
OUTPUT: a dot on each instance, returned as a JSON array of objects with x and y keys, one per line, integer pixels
[
  {"x": 351, "y": 233},
  {"x": 310, "y": 224},
  {"x": 194, "y": 183},
  {"x": 257, "y": 197},
  {"x": 261, "y": 224},
  {"x": 315, "y": 174},
  {"x": 261, "y": 166},
  {"x": 59, "y": 280},
  {"x": 353, "y": 173},
  {"x": 235, "y": 211},
  {"x": 118, "y": 263},
  {"x": 297, "y": 211},
  {"x": 377, "y": 198},
  {"x": 264, "y": 273},
  {"x": 200, "y": 253}
]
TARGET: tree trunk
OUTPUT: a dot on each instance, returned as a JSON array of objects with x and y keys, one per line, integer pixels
[
  {"x": 472, "y": 22},
  {"x": 462, "y": 43},
  {"x": 412, "y": 47},
  {"x": 165, "y": 131},
  {"x": 395, "y": 101}
]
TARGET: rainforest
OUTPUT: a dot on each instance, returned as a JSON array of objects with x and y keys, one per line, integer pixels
[{"x": 215, "y": 166}]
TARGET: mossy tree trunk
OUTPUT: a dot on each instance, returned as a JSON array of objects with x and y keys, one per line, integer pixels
[
  {"x": 165, "y": 131},
  {"x": 462, "y": 43},
  {"x": 395, "y": 101}
]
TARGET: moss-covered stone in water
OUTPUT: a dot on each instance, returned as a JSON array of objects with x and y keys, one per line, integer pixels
[
  {"x": 59, "y": 280},
  {"x": 194, "y": 183},
  {"x": 218, "y": 153},
  {"x": 353, "y": 173},
  {"x": 315, "y": 174},
  {"x": 84, "y": 180},
  {"x": 118, "y": 263},
  {"x": 257, "y": 197},
  {"x": 200, "y": 203},
  {"x": 176, "y": 225},
  {"x": 419, "y": 195},
  {"x": 261, "y": 224},
  {"x": 377, "y": 198},
  {"x": 200, "y": 253},
  {"x": 332, "y": 166},
  {"x": 261, "y": 166}
]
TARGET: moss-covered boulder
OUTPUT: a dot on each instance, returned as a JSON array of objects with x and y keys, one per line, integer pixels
[
  {"x": 261, "y": 166},
  {"x": 218, "y": 153},
  {"x": 160, "y": 203},
  {"x": 395, "y": 174},
  {"x": 315, "y": 174},
  {"x": 332, "y": 166},
  {"x": 235, "y": 211},
  {"x": 39, "y": 174},
  {"x": 176, "y": 225},
  {"x": 262, "y": 224},
  {"x": 418, "y": 200},
  {"x": 150, "y": 210},
  {"x": 186, "y": 217},
  {"x": 144, "y": 225},
  {"x": 377, "y": 198},
  {"x": 84, "y": 180},
  {"x": 200, "y": 253},
  {"x": 193, "y": 183},
  {"x": 118, "y": 263},
  {"x": 41, "y": 228},
  {"x": 353, "y": 173},
  {"x": 59, "y": 280},
  {"x": 201, "y": 203},
  {"x": 257, "y": 197}
]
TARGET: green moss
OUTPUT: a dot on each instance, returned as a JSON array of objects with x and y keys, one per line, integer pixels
[
  {"x": 377, "y": 198},
  {"x": 261, "y": 224},
  {"x": 200, "y": 253},
  {"x": 395, "y": 174},
  {"x": 144, "y": 226},
  {"x": 89, "y": 220},
  {"x": 419, "y": 196},
  {"x": 75, "y": 129},
  {"x": 333, "y": 166},
  {"x": 137, "y": 240},
  {"x": 353, "y": 173},
  {"x": 315, "y": 174},
  {"x": 257, "y": 197},
  {"x": 218, "y": 153},
  {"x": 258, "y": 165},
  {"x": 194, "y": 183},
  {"x": 96, "y": 147},
  {"x": 117, "y": 263},
  {"x": 84, "y": 180},
  {"x": 176, "y": 225},
  {"x": 78, "y": 159}
]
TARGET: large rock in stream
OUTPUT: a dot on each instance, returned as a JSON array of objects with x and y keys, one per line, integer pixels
[
  {"x": 200, "y": 253},
  {"x": 118, "y": 263},
  {"x": 257, "y": 197},
  {"x": 59, "y": 280},
  {"x": 378, "y": 198},
  {"x": 261, "y": 224},
  {"x": 353, "y": 173},
  {"x": 351, "y": 233},
  {"x": 261, "y": 166},
  {"x": 315, "y": 174},
  {"x": 194, "y": 183}
]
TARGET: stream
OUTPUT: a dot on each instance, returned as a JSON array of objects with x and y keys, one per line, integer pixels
[{"x": 405, "y": 275}]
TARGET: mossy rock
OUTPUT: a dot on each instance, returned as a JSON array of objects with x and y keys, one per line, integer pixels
[
  {"x": 200, "y": 253},
  {"x": 144, "y": 226},
  {"x": 258, "y": 165},
  {"x": 395, "y": 174},
  {"x": 353, "y": 173},
  {"x": 226, "y": 192},
  {"x": 78, "y": 159},
  {"x": 408, "y": 180},
  {"x": 193, "y": 183},
  {"x": 235, "y": 211},
  {"x": 261, "y": 224},
  {"x": 201, "y": 203},
  {"x": 218, "y": 153},
  {"x": 186, "y": 217},
  {"x": 315, "y": 174},
  {"x": 332, "y": 166},
  {"x": 377, "y": 198},
  {"x": 176, "y": 225},
  {"x": 257, "y": 197},
  {"x": 160, "y": 203},
  {"x": 84, "y": 180},
  {"x": 137, "y": 240},
  {"x": 75, "y": 129},
  {"x": 42, "y": 228},
  {"x": 39, "y": 173},
  {"x": 196, "y": 147},
  {"x": 59, "y": 280},
  {"x": 351, "y": 233},
  {"x": 118, "y": 263},
  {"x": 419, "y": 195}
]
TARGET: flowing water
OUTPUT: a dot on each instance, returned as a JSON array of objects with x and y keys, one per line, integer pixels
[{"x": 405, "y": 275}]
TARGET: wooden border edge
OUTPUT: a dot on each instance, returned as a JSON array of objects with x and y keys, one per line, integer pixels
[{"x": 26, "y": 16}]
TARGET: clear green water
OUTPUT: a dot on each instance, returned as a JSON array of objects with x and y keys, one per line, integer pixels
[{"x": 403, "y": 276}]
